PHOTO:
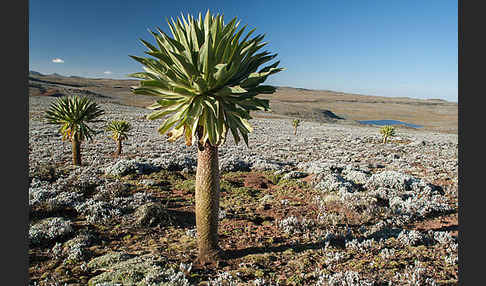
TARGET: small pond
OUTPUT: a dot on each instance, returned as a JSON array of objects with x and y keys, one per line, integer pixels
[{"x": 389, "y": 122}]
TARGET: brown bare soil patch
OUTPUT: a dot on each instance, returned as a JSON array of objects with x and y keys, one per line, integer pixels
[
  {"x": 443, "y": 223},
  {"x": 252, "y": 180}
]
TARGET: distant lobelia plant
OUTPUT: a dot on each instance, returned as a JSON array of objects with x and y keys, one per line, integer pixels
[
  {"x": 206, "y": 76},
  {"x": 295, "y": 124},
  {"x": 73, "y": 113},
  {"x": 119, "y": 132},
  {"x": 387, "y": 131}
]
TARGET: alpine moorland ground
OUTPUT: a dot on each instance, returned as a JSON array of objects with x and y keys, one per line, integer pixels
[{"x": 329, "y": 206}]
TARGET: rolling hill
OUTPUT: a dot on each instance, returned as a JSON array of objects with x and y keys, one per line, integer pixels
[{"x": 287, "y": 102}]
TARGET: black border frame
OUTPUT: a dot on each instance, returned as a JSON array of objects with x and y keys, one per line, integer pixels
[{"x": 15, "y": 209}]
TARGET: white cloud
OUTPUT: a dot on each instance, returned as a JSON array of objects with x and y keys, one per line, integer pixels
[
  {"x": 107, "y": 72},
  {"x": 58, "y": 61}
]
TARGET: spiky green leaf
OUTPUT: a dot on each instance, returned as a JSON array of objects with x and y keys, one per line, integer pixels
[{"x": 206, "y": 78}]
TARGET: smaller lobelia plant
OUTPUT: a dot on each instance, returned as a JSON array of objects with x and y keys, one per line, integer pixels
[
  {"x": 295, "y": 124},
  {"x": 73, "y": 113},
  {"x": 119, "y": 132},
  {"x": 387, "y": 131}
]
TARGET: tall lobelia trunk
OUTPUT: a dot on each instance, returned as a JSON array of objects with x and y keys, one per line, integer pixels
[
  {"x": 385, "y": 139},
  {"x": 119, "y": 147},
  {"x": 76, "y": 144},
  {"x": 207, "y": 203},
  {"x": 295, "y": 130}
]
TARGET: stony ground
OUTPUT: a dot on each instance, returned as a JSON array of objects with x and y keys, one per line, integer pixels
[{"x": 330, "y": 206}]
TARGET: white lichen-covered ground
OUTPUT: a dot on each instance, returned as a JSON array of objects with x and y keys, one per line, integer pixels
[{"x": 330, "y": 206}]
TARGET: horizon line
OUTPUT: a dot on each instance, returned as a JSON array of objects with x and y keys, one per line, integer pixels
[{"x": 278, "y": 86}]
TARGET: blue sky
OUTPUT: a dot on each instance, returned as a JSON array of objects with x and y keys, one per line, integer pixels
[{"x": 385, "y": 48}]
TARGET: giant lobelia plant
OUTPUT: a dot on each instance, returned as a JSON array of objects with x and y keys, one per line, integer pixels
[
  {"x": 295, "y": 124},
  {"x": 386, "y": 132},
  {"x": 74, "y": 113},
  {"x": 206, "y": 78},
  {"x": 119, "y": 132}
]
